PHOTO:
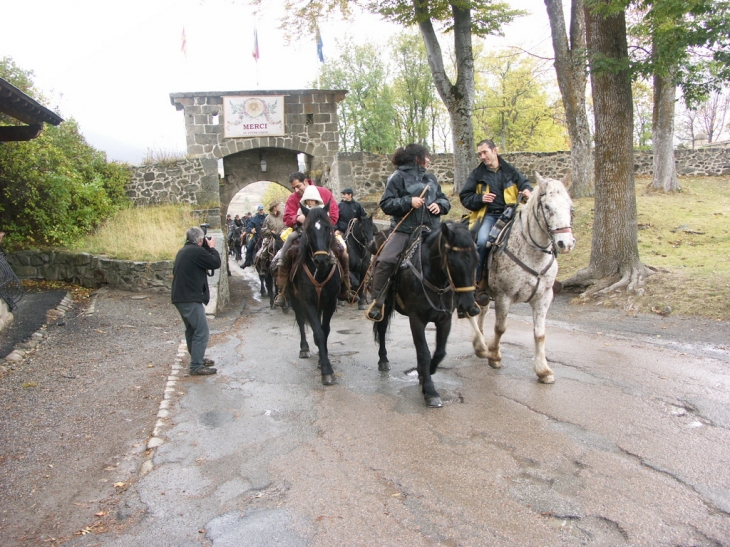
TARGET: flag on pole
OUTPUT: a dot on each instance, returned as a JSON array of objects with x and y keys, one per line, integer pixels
[
  {"x": 319, "y": 47},
  {"x": 184, "y": 46},
  {"x": 255, "y": 52}
]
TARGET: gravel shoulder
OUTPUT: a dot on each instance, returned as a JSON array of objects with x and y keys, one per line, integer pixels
[{"x": 77, "y": 413}]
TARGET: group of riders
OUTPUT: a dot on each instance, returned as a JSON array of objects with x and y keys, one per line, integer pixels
[{"x": 414, "y": 200}]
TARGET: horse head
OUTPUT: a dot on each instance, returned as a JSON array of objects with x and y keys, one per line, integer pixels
[
  {"x": 552, "y": 206},
  {"x": 317, "y": 234},
  {"x": 459, "y": 259}
]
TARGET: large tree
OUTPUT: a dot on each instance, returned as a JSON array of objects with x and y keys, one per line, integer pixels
[
  {"x": 614, "y": 259},
  {"x": 570, "y": 68},
  {"x": 461, "y": 18}
]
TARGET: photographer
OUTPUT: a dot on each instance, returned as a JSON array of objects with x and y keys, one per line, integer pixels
[{"x": 190, "y": 293}]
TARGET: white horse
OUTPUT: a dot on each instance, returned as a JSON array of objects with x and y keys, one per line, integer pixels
[{"x": 524, "y": 268}]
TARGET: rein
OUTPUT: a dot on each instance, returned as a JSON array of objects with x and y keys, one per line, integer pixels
[{"x": 440, "y": 291}]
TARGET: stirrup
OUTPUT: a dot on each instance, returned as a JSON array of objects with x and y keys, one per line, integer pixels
[{"x": 371, "y": 309}]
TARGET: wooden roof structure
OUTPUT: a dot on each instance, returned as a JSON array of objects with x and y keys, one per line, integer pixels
[{"x": 20, "y": 106}]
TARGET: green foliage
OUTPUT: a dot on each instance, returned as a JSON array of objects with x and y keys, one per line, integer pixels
[
  {"x": 275, "y": 192},
  {"x": 366, "y": 114},
  {"x": 56, "y": 187},
  {"x": 417, "y": 106},
  {"x": 686, "y": 39},
  {"x": 487, "y": 16},
  {"x": 643, "y": 112},
  {"x": 512, "y": 106}
]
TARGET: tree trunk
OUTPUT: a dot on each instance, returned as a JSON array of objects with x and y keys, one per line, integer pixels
[
  {"x": 614, "y": 259},
  {"x": 570, "y": 68},
  {"x": 665, "y": 170},
  {"x": 458, "y": 97}
]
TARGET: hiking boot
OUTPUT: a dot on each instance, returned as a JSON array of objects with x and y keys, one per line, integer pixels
[
  {"x": 280, "y": 301},
  {"x": 202, "y": 371},
  {"x": 208, "y": 362}
]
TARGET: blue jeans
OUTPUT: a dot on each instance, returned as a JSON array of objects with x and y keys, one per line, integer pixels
[
  {"x": 489, "y": 220},
  {"x": 196, "y": 331}
]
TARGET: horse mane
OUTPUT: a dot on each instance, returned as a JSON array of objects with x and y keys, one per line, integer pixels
[{"x": 313, "y": 215}]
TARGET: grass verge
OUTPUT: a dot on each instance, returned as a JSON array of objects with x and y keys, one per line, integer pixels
[{"x": 141, "y": 233}]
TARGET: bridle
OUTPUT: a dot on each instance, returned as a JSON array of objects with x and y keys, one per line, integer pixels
[
  {"x": 351, "y": 232},
  {"x": 317, "y": 285},
  {"x": 451, "y": 286},
  {"x": 551, "y": 247}
]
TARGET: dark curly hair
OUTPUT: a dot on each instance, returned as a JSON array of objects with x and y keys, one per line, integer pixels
[{"x": 410, "y": 154}]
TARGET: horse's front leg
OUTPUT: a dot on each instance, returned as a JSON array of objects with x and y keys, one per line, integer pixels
[
  {"x": 477, "y": 339},
  {"x": 303, "y": 344},
  {"x": 443, "y": 328},
  {"x": 501, "y": 308},
  {"x": 320, "y": 331},
  {"x": 423, "y": 356},
  {"x": 539, "y": 311}
]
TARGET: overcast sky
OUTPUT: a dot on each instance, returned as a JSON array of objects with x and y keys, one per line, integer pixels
[{"x": 112, "y": 66}]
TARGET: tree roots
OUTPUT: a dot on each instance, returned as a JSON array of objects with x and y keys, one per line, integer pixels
[{"x": 630, "y": 277}]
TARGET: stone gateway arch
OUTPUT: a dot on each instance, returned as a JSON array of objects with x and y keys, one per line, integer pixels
[{"x": 307, "y": 124}]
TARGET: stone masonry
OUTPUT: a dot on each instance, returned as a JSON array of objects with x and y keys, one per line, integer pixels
[
  {"x": 367, "y": 173},
  {"x": 310, "y": 126},
  {"x": 186, "y": 181}
]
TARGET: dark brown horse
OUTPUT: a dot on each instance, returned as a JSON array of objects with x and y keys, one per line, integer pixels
[
  {"x": 436, "y": 277},
  {"x": 358, "y": 237},
  {"x": 315, "y": 285}
]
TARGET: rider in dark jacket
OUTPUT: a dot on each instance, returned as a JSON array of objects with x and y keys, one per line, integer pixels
[
  {"x": 349, "y": 209},
  {"x": 402, "y": 194},
  {"x": 253, "y": 227}
]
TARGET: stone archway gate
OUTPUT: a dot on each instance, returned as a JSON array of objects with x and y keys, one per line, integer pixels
[{"x": 310, "y": 128}]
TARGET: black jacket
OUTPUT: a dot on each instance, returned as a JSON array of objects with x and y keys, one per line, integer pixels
[
  {"x": 506, "y": 183},
  {"x": 406, "y": 182},
  {"x": 348, "y": 211},
  {"x": 189, "y": 274}
]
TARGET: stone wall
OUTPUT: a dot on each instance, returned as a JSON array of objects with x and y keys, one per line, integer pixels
[
  {"x": 92, "y": 271},
  {"x": 185, "y": 181},
  {"x": 367, "y": 173}
]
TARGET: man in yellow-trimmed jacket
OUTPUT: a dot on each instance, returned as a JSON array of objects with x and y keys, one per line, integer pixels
[{"x": 490, "y": 188}]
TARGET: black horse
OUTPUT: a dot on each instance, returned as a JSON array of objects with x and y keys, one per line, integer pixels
[
  {"x": 315, "y": 285},
  {"x": 262, "y": 263},
  {"x": 358, "y": 237},
  {"x": 234, "y": 241},
  {"x": 435, "y": 277}
]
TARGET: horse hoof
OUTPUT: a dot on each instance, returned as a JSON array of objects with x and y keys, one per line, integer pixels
[
  {"x": 383, "y": 366},
  {"x": 434, "y": 402},
  {"x": 482, "y": 354},
  {"x": 327, "y": 380},
  {"x": 495, "y": 364},
  {"x": 549, "y": 379},
  {"x": 304, "y": 354}
]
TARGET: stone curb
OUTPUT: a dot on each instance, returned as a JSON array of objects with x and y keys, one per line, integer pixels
[
  {"x": 28, "y": 347},
  {"x": 163, "y": 413}
]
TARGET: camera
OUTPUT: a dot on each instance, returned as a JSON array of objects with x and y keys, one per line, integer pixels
[{"x": 205, "y": 227}]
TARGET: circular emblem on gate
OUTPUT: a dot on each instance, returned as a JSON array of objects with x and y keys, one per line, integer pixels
[{"x": 254, "y": 107}]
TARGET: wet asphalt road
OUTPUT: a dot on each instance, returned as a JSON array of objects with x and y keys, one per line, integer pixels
[{"x": 630, "y": 446}]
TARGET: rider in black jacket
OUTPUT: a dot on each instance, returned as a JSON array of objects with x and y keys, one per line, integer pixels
[
  {"x": 349, "y": 209},
  {"x": 409, "y": 188}
]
